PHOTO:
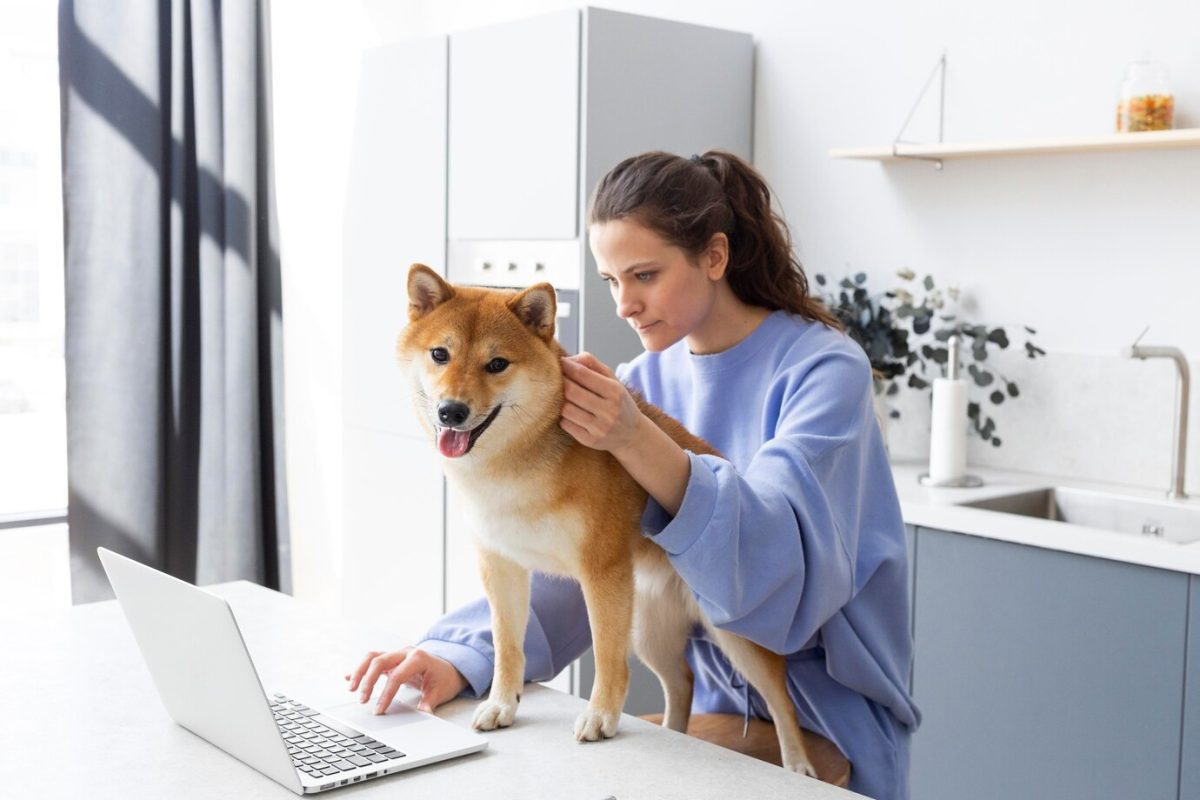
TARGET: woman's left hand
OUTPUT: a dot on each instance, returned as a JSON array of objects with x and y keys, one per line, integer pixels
[{"x": 598, "y": 410}]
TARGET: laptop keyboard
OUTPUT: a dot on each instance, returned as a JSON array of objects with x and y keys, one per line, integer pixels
[{"x": 322, "y": 746}]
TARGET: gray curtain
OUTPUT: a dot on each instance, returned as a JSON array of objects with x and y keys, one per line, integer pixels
[{"x": 173, "y": 321}]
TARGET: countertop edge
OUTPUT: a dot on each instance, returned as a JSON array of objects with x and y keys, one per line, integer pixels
[{"x": 939, "y": 509}]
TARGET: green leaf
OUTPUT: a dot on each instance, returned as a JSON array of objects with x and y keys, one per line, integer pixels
[
  {"x": 1012, "y": 390},
  {"x": 972, "y": 410},
  {"x": 982, "y": 377},
  {"x": 997, "y": 397},
  {"x": 995, "y": 441},
  {"x": 860, "y": 277},
  {"x": 928, "y": 283},
  {"x": 998, "y": 336},
  {"x": 917, "y": 383}
]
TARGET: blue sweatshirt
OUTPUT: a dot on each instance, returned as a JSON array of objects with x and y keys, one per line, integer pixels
[{"x": 794, "y": 540}]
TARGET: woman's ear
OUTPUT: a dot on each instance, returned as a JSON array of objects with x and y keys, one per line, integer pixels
[{"x": 716, "y": 256}]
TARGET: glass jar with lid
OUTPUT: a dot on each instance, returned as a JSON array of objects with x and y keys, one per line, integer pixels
[{"x": 1146, "y": 100}]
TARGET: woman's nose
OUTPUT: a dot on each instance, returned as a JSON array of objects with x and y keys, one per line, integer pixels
[{"x": 627, "y": 304}]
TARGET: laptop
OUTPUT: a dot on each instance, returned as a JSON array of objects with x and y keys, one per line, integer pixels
[{"x": 194, "y": 649}]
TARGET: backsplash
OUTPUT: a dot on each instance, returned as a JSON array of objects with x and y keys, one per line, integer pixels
[{"x": 1089, "y": 417}]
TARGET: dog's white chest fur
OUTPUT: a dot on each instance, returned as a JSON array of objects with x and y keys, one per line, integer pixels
[{"x": 548, "y": 541}]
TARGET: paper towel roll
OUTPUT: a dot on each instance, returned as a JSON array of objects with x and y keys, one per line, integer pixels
[{"x": 948, "y": 430}]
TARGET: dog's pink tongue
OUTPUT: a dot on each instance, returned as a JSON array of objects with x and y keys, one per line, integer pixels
[{"x": 453, "y": 443}]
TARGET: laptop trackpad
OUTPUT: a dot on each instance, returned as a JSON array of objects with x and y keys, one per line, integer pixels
[{"x": 362, "y": 716}]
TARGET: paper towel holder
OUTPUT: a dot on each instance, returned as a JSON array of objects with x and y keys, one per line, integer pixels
[{"x": 965, "y": 480}]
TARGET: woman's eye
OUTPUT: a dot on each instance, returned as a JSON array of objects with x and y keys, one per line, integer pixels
[
  {"x": 497, "y": 365},
  {"x": 643, "y": 276},
  {"x": 440, "y": 355}
]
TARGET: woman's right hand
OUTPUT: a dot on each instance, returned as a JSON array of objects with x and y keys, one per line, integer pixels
[{"x": 438, "y": 679}]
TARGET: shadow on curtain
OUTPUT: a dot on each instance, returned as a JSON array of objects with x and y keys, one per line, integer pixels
[{"x": 175, "y": 426}]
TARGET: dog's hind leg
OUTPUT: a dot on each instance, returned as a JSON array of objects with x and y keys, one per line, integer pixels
[
  {"x": 661, "y": 625},
  {"x": 767, "y": 672},
  {"x": 608, "y": 592},
  {"x": 507, "y": 586}
]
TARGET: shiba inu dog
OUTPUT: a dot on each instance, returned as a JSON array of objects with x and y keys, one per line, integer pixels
[{"x": 485, "y": 372}]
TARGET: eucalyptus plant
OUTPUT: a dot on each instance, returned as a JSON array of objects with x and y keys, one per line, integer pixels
[{"x": 904, "y": 337}]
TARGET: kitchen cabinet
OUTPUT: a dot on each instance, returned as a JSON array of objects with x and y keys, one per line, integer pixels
[
  {"x": 475, "y": 153},
  {"x": 392, "y": 486},
  {"x": 1044, "y": 674},
  {"x": 514, "y": 143},
  {"x": 1189, "y": 773},
  {"x": 392, "y": 551},
  {"x": 395, "y": 215}
]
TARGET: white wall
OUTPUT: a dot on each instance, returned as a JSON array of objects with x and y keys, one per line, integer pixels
[{"x": 1087, "y": 249}]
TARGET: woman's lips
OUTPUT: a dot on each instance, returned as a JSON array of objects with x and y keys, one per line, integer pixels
[{"x": 644, "y": 328}]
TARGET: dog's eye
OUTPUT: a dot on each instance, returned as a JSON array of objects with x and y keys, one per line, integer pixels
[
  {"x": 440, "y": 355},
  {"x": 497, "y": 365}
]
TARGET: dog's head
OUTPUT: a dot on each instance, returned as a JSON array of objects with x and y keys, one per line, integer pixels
[{"x": 483, "y": 363}]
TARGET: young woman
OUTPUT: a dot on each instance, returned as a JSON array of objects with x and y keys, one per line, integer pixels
[{"x": 794, "y": 539}]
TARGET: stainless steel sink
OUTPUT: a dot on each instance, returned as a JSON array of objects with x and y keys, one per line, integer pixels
[{"x": 1173, "y": 521}]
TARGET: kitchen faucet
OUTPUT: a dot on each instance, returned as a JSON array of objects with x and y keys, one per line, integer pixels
[{"x": 1143, "y": 352}]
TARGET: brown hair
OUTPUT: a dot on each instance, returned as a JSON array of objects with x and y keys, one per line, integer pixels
[{"x": 688, "y": 201}]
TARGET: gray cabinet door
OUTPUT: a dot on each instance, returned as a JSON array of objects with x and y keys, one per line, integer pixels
[
  {"x": 1044, "y": 674},
  {"x": 1189, "y": 773},
  {"x": 910, "y": 541}
]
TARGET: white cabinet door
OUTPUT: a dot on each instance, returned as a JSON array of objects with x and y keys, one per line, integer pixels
[
  {"x": 392, "y": 553},
  {"x": 395, "y": 215},
  {"x": 514, "y": 129}
]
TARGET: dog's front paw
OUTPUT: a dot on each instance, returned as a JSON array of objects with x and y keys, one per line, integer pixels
[
  {"x": 800, "y": 765},
  {"x": 593, "y": 725},
  {"x": 493, "y": 714}
]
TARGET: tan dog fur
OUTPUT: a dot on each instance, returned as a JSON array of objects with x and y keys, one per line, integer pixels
[{"x": 541, "y": 500}]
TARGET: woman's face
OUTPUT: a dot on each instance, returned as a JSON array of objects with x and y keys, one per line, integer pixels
[{"x": 658, "y": 291}]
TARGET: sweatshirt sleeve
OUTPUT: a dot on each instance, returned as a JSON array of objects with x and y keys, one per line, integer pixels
[
  {"x": 770, "y": 554},
  {"x": 556, "y": 635}
]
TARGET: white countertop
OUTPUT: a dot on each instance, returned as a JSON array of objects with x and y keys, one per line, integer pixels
[
  {"x": 936, "y": 508},
  {"x": 83, "y": 720}
]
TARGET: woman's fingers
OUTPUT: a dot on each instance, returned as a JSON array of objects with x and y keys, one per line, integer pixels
[
  {"x": 583, "y": 397},
  {"x": 597, "y": 382},
  {"x": 380, "y": 664},
  {"x": 356, "y": 677},
  {"x": 437, "y": 679},
  {"x": 591, "y": 362},
  {"x": 410, "y": 671},
  {"x": 581, "y": 419}
]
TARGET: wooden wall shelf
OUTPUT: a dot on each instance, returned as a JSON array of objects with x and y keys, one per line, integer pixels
[{"x": 1145, "y": 140}]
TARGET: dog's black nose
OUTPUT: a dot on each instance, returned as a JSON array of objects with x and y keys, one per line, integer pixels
[{"x": 452, "y": 412}]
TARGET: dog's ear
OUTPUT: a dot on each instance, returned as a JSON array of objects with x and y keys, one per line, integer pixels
[
  {"x": 535, "y": 307},
  {"x": 426, "y": 291}
]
